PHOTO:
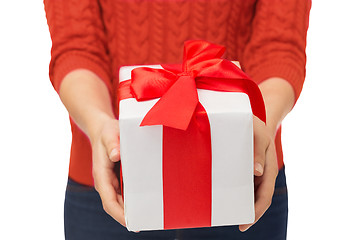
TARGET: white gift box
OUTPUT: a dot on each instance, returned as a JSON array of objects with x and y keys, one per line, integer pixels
[{"x": 232, "y": 191}]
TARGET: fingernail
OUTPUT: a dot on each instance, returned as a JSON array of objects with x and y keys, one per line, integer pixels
[
  {"x": 113, "y": 153},
  {"x": 259, "y": 168}
]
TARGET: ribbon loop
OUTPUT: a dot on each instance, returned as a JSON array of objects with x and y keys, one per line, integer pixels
[
  {"x": 176, "y": 107},
  {"x": 148, "y": 83},
  {"x": 196, "y": 51}
]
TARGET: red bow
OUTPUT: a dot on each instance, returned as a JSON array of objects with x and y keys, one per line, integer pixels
[{"x": 202, "y": 68}]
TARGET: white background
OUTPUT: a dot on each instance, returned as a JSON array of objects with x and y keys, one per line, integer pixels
[{"x": 318, "y": 136}]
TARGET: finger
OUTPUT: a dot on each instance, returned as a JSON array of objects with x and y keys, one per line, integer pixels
[
  {"x": 261, "y": 143},
  {"x": 112, "y": 145},
  {"x": 259, "y": 159},
  {"x": 113, "y": 208},
  {"x": 263, "y": 202},
  {"x": 261, "y": 205},
  {"x": 111, "y": 202},
  {"x": 106, "y": 184},
  {"x": 265, "y": 190},
  {"x": 115, "y": 154}
]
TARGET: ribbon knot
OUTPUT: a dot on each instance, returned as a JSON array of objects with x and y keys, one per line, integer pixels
[
  {"x": 186, "y": 74},
  {"x": 202, "y": 68}
]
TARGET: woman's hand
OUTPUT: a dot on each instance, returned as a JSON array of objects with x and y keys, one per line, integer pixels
[
  {"x": 279, "y": 99},
  {"x": 265, "y": 169},
  {"x": 89, "y": 104},
  {"x": 106, "y": 153}
]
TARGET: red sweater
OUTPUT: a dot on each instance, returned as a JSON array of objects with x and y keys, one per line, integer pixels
[{"x": 268, "y": 37}]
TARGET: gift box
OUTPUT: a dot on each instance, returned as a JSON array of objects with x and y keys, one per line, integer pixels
[{"x": 186, "y": 139}]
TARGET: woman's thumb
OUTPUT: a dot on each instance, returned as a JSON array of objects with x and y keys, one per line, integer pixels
[
  {"x": 114, "y": 154},
  {"x": 112, "y": 146}
]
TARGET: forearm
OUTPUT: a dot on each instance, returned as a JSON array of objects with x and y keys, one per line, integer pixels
[
  {"x": 279, "y": 99},
  {"x": 87, "y": 100}
]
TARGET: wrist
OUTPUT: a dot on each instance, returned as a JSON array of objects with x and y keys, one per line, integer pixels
[
  {"x": 87, "y": 100},
  {"x": 97, "y": 123},
  {"x": 279, "y": 98}
]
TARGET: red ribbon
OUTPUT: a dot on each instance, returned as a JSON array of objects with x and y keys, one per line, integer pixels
[
  {"x": 187, "y": 174},
  {"x": 187, "y": 157},
  {"x": 202, "y": 68}
]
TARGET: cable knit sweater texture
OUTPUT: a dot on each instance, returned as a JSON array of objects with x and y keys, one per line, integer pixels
[{"x": 268, "y": 37}]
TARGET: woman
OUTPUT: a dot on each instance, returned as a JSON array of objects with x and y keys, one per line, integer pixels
[{"x": 92, "y": 39}]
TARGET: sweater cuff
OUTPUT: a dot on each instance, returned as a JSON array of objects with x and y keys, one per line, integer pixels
[
  {"x": 284, "y": 70},
  {"x": 73, "y": 61}
]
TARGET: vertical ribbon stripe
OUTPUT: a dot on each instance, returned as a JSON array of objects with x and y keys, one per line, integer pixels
[{"x": 187, "y": 178}]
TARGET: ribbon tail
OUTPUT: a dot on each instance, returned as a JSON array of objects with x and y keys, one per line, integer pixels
[
  {"x": 236, "y": 85},
  {"x": 176, "y": 107},
  {"x": 256, "y": 100},
  {"x": 187, "y": 174}
]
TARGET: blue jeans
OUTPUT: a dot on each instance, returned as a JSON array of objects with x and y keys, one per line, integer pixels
[{"x": 84, "y": 218}]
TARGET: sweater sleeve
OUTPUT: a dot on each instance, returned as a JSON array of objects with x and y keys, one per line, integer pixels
[
  {"x": 278, "y": 41},
  {"x": 78, "y": 40}
]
